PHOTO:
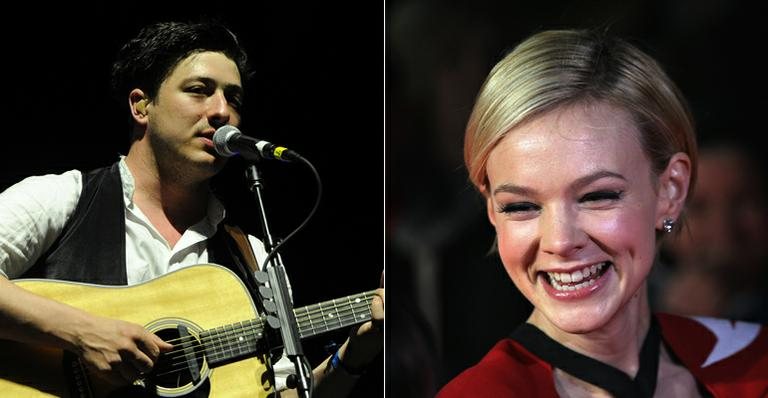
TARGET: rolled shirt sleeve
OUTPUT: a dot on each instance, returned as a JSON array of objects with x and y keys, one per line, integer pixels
[{"x": 33, "y": 213}]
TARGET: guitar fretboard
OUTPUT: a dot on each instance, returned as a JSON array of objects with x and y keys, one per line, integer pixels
[
  {"x": 238, "y": 340},
  {"x": 333, "y": 314}
]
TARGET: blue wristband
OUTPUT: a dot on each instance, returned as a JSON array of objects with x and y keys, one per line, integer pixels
[{"x": 336, "y": 363}]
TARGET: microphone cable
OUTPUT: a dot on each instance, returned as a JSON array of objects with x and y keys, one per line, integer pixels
[
  {"x": 319, "y": 183},
  {"x": 273, "y": 253}
]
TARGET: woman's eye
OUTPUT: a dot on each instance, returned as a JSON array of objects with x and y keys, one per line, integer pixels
[
  {"x": 518, "y": 207},
  {"x": 602, "y": 196}
]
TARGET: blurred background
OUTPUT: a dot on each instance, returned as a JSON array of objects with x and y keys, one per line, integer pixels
[
  {"x": 450, "y": 300},
  {"x": 317, "y": 89}
]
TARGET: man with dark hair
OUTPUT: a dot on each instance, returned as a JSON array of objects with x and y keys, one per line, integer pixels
[{"x": 150, "y": 213}]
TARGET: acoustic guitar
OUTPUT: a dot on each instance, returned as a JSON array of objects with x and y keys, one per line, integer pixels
[{"x": 205, "y": 311}]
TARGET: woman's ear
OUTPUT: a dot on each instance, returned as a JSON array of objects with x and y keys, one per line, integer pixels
[
  {"x": 490, "y": 209},
  {"x": 673, "y": 189}
]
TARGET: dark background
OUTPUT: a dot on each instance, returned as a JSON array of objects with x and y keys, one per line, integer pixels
[
  {"x": 318, "y": 89},
  {"x": 451, "y": 301}
]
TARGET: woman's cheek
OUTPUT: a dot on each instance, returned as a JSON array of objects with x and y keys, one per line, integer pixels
[{"x": 513, "y": 246}]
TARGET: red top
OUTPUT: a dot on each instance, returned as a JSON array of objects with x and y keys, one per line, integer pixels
[{"x": 730, "y": 359}]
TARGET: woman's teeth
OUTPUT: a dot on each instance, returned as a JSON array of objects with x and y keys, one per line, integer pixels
[{"x": 577, "y": 279}]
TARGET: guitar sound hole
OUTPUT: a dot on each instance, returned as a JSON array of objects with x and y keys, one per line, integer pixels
[{"x": 181, "y": 366}]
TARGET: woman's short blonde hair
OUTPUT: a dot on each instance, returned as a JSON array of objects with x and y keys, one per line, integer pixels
[{"x": 557, "y": 68}]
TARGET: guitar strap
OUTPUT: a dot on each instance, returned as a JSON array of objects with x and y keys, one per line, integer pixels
[
  {"x": 241, "y": 239},
  {"x": 247, "y": 255}
]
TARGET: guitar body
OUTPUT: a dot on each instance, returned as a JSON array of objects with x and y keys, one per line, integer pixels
[{"x": 201, "y": 297}]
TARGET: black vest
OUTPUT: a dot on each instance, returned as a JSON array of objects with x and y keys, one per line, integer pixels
[{"x": 91, "y": 247}]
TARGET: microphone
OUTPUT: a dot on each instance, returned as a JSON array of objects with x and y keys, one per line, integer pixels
[{"x": 229, "y": 141}]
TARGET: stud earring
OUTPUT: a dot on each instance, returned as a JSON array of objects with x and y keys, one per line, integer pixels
[{"x": 668, "y": 225}]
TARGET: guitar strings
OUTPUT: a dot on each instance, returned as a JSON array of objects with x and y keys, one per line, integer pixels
[
  {"x": 255, "y": 327},
  {"x": 227, "y": 335},
  {"x": 313, "y": 313},
  {"x": 244, "y": 333},
  {"x": 231, "y": 338},
  {"x": 304, "y": 314},
  {"x": 227, "y": 350}
]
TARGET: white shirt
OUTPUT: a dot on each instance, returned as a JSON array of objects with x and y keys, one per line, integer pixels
[
  {"x": 34, "y": 211},
  {"x": 31, "y": 218}
]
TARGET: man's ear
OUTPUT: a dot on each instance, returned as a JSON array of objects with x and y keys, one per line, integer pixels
[
  {"x": 141, "y": 107},
  {"x": 138, "y": 102},
  {"x": 673, "y": 189}
]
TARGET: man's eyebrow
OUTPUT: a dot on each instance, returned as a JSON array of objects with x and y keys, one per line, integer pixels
[
  {"x": 234, "y": 89},
  {"x": 229, "y": 87}
]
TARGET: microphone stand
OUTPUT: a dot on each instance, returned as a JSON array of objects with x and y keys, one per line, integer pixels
[{"x": 279, "y": 287}]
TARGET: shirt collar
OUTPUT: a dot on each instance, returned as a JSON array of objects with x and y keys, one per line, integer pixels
[{"x": 215, "y": 212}]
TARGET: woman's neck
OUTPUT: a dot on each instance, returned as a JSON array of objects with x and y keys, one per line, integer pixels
[{"x": 617, "y": 342}]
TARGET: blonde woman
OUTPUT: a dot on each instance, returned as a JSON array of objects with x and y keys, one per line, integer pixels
[{"x": 585, "y": 152}]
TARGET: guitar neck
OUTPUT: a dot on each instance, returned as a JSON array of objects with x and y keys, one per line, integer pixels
[
  {"x": 334, "y": 314},
  {"x": 238, "y": 340}
]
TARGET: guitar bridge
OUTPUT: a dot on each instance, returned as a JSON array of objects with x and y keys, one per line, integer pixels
[
  {"x": 75, "y": 371},
  {"x": 189, "y": 353}
]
